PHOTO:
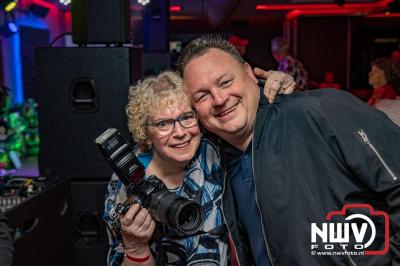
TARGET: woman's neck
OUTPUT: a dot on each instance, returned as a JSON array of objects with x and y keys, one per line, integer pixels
[
  {"x": 378, "y": 85},
  {"x": 171, "y": 175}
]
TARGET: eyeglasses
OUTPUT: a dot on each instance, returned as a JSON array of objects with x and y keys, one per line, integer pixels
[{"x": 166, "y": 127}]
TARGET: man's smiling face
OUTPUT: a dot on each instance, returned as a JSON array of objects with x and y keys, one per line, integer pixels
[{"x": 224, "y": 92}]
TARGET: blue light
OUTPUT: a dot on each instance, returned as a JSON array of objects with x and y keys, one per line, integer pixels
[
  {"x": 16, "y": 54},
  {"x": 13, "y": 72},
  {"x": 12, "y": 26},
  {"x": 12, "y": 58}
]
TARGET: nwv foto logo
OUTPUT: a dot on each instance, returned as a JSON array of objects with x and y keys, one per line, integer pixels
[{"x": 328, "y": 235}]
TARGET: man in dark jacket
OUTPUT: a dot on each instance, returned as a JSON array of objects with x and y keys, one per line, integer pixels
[{"x": 298, "y": 166}]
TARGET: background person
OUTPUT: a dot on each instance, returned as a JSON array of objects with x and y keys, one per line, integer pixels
[
  {"x": 384, "y": 77},
  {"x": 395, "y": 57},
  {"x": 381, "y": 77},
  {"x": 239, "y": 43},
  {"x": 329, "y": 81},
  {"x": 289, "y": 64}
]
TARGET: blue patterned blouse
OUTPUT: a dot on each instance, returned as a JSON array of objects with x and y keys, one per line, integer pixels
[{"x": 202, "y": 182}]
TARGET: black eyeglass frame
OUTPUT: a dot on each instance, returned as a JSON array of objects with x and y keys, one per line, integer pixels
[{"x": 173, "y": 121}]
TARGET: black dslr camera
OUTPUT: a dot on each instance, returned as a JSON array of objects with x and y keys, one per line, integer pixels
[{"x": 165, "y": 207}]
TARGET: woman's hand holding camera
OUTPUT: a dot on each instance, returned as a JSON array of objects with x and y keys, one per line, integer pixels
[{"x": 137, "y": 228}]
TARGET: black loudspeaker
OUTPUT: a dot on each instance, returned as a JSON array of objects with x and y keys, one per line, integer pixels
[
  {"x": 100, "y": 21},
  {"x": 41, "y": 227},
  {"x": 81, "y": 92},
  {"x": 154, "y": 63},
  {"x": 156, "y": 26},
  {"x": 90, "y": 241}
]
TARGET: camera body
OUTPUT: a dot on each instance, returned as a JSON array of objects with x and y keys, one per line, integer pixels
[{"x": 165, "y": 207}]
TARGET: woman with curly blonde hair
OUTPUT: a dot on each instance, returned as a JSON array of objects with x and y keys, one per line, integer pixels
[{"x": 170, "y": 146}]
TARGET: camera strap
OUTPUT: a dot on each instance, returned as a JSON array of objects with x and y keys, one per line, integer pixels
[
  {"x": 173, "y": 234},
  {"x": 165, "y": 231},
  {"x": 160, "y": 233}
]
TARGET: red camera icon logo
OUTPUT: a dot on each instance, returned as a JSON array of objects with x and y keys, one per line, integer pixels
[{"x": 331, "y": 234}]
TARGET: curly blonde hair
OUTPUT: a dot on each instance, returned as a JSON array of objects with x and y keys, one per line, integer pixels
[{"x": 149, "y": 96}]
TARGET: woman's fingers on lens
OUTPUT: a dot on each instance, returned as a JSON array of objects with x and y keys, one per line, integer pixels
[
  {"x": 139, "y": 225},
  {"x": 128, "y": 217},
  {"x": 144, "y": 227},
  {"x": 138, "y": 221},
  {"x": 151, "y": 228}
]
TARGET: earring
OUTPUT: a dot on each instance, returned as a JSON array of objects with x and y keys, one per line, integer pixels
[{"x": 150, "y": 146}]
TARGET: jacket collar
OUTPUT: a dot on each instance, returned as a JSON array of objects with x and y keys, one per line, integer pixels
[{"x": 263, "y": 99}]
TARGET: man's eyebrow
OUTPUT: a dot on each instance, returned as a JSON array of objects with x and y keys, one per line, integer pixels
[{"x": 204, "y": 89}]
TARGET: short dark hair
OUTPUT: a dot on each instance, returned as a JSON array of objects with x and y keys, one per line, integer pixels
[
  {"x": 391, "y": 71},
  {"x": 386, "y": 65},
  {"x": 202, "y": 45}
]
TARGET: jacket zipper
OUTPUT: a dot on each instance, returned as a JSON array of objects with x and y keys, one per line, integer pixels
[
  {"x": 227, "y": 227},
  {"x": 352, "y": 262},
  {"x": 258, "y": 206},
  {"x": 366, "y": 141}
]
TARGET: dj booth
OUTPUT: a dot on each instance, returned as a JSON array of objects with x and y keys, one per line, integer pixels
[
  {"x": 39, "y": 212},
  {"x": 55, "y": 221}
]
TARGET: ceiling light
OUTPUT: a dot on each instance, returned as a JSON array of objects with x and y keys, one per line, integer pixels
[
  {"x": 143, "y": 2},
  {"x": 9, "y": 28},
  {"x": 65, "y": 2},
  {"x": 8, "y": 5}
]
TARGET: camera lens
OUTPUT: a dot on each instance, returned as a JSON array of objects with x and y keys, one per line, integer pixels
[
  {"x": 177, "y": 212},
  {"x": 187, "y": 216}
]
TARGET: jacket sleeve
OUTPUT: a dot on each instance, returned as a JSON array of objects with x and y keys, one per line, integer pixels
[
  {"x": 6, "y": 242},
  {"x": 368, "y": 143}
]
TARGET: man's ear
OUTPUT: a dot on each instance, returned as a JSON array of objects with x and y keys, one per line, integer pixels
[{"x": 249, "y": 71}]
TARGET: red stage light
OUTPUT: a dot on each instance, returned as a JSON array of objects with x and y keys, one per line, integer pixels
[
  {"x": 296, "y": 10},
  {"x": 175, "y": 8}
]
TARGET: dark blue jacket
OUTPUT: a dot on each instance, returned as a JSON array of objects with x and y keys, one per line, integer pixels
[{"x": 314, "y": 152}]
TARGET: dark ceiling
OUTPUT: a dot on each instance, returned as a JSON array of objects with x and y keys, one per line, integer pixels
[
  {"x": 217, "y": 11},
  {"x": 247, "y": 8}
]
